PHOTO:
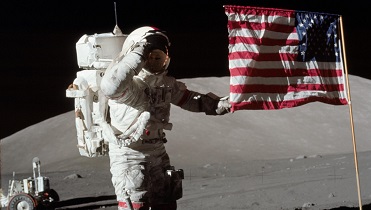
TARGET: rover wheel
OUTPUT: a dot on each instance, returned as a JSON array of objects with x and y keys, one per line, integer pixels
[
  {"x": 53, "y": 195},
  {"x": 21, "y": 202}
]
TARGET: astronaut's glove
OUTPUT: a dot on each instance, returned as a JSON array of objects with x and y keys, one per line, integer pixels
[
  {"x": 224, "y": 106},
  {"x": 215, "y": 105},
  {"x": 135, "y": 131},
  {"x": 142, "y": 48},
  {"x": 147, "y": 45}
]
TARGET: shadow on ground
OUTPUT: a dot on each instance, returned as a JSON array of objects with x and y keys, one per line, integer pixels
[
  {"x": 82, "y": 203},
  {"x": 364, "y": 207}
]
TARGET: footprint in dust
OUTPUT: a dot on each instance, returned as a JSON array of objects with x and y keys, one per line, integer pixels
[{"x": 255, "y": 204}]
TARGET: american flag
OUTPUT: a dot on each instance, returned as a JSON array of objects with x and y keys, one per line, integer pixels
[{"x": 284, "y": 58}]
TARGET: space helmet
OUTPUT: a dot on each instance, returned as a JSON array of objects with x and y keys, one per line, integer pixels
[{"x": 157, "y": 40}]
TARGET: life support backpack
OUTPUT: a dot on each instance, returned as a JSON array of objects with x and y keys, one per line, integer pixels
[{"x": 94, "y": 54}]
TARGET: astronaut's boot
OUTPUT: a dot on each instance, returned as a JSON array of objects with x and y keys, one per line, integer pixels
[
  {"x": 165, "y": 206},
  {"x": 135, "y": 206}
]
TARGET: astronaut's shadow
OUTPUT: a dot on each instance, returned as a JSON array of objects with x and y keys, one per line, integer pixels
[{"x": 80, "y": 203}]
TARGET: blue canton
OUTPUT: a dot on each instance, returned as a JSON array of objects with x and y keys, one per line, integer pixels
[{"x": 318, "y": 37}]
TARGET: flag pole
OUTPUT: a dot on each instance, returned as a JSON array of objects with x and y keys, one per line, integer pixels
[{"x": 351, "y": 115}]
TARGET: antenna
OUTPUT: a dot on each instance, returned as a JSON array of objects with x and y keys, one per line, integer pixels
[
  {"x": 115, "y": 12},
  {"x": 116, "y": 31}
]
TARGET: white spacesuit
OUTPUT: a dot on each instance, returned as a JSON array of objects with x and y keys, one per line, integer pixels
[{"x": 140, "y": 96}]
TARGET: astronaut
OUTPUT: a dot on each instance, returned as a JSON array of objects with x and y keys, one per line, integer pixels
[{"x": 140, "y": 95}]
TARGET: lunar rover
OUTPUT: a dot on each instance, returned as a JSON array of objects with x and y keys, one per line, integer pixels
[{"x": 31, "y": 193}]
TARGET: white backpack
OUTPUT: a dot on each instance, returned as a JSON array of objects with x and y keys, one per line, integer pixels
[{"x": 94, "y": 54}]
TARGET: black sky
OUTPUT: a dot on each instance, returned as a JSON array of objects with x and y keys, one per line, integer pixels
[{"x": 38, "y": 57}]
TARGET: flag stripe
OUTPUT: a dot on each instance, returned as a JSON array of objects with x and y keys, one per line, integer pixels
[
  {"x": 260, "y": 36},
  {"x": 271, "y": 97},
  {"x": 238, "y": 71},
  {"x": 283, "y": 58},
  {"x": 256, "y": 14},
  {"x": 262, "y": 26},
  {"x": 267, "y": 105},
  {"x": 285, "y": 65},
  {"x": 263, "y": 88},
  {"x": 267, "y": 48}
]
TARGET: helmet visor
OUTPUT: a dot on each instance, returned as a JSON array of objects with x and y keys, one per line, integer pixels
[{"x": 157, "y": 61}]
